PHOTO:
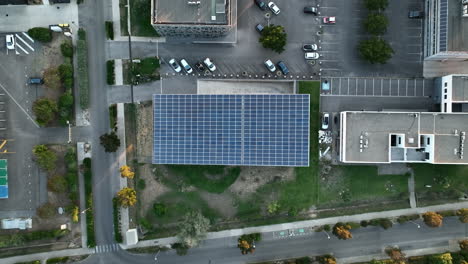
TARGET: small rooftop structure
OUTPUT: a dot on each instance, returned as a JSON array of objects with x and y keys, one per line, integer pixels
[
  {"x": 418, "y": 137},
  {"x": 17, "y": 223},
  {"x": 131, "y": 237}
]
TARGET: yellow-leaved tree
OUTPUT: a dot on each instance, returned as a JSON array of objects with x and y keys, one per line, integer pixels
[
  {"x": 126, "y": 171},
  {"x": 127, "y": 197}
]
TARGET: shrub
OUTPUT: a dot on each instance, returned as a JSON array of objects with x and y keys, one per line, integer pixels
[
  {"x": 57, "y": 260},
  {"x": 385, "y": 223},
  {"x": 113, "y": 116},
  {"x": 327, "y": 228},
  {"x": 116, "y": 213},
  {"x": 433, "y": 219},
  {"x": 304, "y": 260},
  {"x": 110, "y": 142},
  {"x": 66, "y": 75},
  {"x": 110, "y": 72},
  {"x": 45, "y": 110},
  {"x": 364, "y": 223},
  {"x": 47, "y": 210},
  {"x": 141, "y": 184},
  {"x": 463, "y": 215},
  {"x": 81, "y": 34},
  {"x": 57, "y": 184},
  {"x": 463, "y": 245},
  {"x": 45, "y": 157},
  {"x": 110, "y": 30},
  {"x": 341, "y": 231},
  {"x": 159, "y": 209},
  {"x": 67, "y": 49},
  {"x": 405, "y": 218},
  {"x": 127, "y": 197},
  {"x": 40, "y": 34},
  {"x": 52, "y": 78}
]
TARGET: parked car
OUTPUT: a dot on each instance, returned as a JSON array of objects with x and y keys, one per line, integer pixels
[
  {"x": 309, "y": 47},
  {"x": 274, "y": 8},
  {"x": 259, "y": 28},
  {"x": 200, "y": 67},
  {"x": 10, "y": 42},
  {"x": 209, "y": 64},
  {"x": 329, "y": 20},
  {"x": 415, "y": 14},
  {"x": 270, "y": 66},
  {"x": 325, "y": 120},
  {"x": 311, "y": 55},
  {"x": 261, "y": 4},
  {"x": 283, "y": 67},
  {"x": 35, "y": 80},
  {"x": 311, "y": 10},
  {"x": 186, "y": 66},
  {"x": 175, "y": 66}
]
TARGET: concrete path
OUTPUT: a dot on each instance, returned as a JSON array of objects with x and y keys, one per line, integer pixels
[
  {"x": 412, "y": 193},
  {"x": 118, "y": 72},
  {"x": 48, "y": 255},
  {"x": 310, "y": 223},
  {"x": 122, "y": 160}
]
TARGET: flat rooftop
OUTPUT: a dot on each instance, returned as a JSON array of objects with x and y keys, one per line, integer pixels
[
  {"x": 191, "y": 12},
  {"x": 457, "y": 35},
  {"x": 460, "y": 88},
  {"x": 376, "y": 128}
]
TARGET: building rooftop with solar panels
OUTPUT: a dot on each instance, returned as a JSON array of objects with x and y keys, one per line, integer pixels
[
  {"x": 3, "y": 179},
  {"x": 446, "y": 30},
  {"x": 250, "y": 130}
]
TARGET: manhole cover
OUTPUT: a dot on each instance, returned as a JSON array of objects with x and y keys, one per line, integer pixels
[
  {"x": 278, "y": 73},
  {"x": 312, "y": 62}
]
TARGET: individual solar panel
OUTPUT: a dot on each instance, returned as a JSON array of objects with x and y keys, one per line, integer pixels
[
  {"x": 256, "y": 130},
  {"x": 443, "y": 25}
]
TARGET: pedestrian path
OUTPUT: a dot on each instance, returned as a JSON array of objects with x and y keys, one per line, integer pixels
[{"x": 107, "y": 248}]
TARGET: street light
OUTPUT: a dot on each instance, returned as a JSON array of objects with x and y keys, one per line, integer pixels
[
  {"x": 69, "y": 132},
  {"x": 156, "y": 256},
  {"x": 415, "y": 224},
  {"x": 328, "y": 236},
  {"x": 85, "y": 210}
]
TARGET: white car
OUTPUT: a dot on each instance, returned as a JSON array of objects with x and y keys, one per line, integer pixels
[
  {"x": 325, "y": 121},
  {"x": 175, "y": 65},
  {"x": 209, "y": 64},
  {"x": 186, "y": 66},
  {"x": 10, "y": 42},
  {"x": 270, "y": 66},
  {"x": 274, "y": 8},
  {"x": 311, "y": 55}
]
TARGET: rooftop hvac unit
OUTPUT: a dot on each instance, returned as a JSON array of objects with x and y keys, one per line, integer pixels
[{"x": 411, "y": 140}]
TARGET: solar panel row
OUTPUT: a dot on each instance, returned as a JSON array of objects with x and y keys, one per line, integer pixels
[
  {"x": 267, "y": 130},
  {"x": 3, "y": 179},
  {"x": 443, "y": 28}
]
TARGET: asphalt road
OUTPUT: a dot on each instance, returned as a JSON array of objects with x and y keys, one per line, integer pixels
[{"x": 365, "y": 241}]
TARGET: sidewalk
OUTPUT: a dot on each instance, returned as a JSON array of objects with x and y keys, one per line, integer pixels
[
  {"x": 308, "y": 223},
  {"x": 48, "y": 255},
  {"x": 80, "y": 156},
  {"x": 122, "y": 160}
]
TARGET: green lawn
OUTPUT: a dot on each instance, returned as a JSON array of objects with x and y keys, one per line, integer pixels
[
  {"x": 203, "y": 177},
  {"x": 362, "y": 183},
  {"x": 140, "y": 16}
]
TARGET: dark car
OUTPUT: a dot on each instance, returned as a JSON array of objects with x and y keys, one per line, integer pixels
[
  {"x": 261, "y": 4},
  {"x": 259, "y": 28},
  {"x": 283, "y": 67},
  {"x": 311, "y": 10},
  {"x": 200, "y": 67},
  {"x": 35, "y": 80},
  {"x": 416, "y": 14}
]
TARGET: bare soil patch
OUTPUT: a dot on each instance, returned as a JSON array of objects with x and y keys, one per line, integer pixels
[{"x": 153, "y": 189}]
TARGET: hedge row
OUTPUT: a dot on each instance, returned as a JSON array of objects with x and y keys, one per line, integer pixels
[
  {"x": 19, "y": 239},
  {"x": 110, "y": 30},
  {"x": 83, "y": 80},
  {"x": 110, "y": 72},
  {"x": 116, "y": 213},
  {"x": 88, "y": 184}
]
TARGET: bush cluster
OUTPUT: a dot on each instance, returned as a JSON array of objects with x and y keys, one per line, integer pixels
[
  {"x": 88, "y": 179},
  {"x": 19, "y": 239},
  {"x": 67, "y": 49},
  {"x": 116, "y": 215},
  {"x": 110, "y": 72},
  {"x": 40, "y": 34},
  {"x": 110, "y": 30}
]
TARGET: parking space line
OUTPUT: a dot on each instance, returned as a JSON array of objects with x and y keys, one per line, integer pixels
[
  {"x": 423, "y": 85},
  {"x": 25, "y": 43},
  {"x": 348, "y": 86},
  {"x": 373, "y": 86},
  {"x": 331, "y": 84},
  {"x": 355, "y": 87},
  {"x": 381, "y": 86},
  {"x": 390, "y": 86},
  {"x": 340, "y": 85},
  {"x": 27, "y": 36},
  {"x": 406, "y": 87},
  {"x": 365, "y": 86},
  {"x": 398, "y": 86},
  {"x": 18, "y": 45}
]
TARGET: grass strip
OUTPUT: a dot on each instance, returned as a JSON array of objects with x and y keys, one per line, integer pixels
[{"x": 88, "y": 179}]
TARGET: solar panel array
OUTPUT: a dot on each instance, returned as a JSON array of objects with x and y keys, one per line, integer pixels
[
  {"x": 3, "y": 179},
  {"x": 443, "y": 28},
  {"x": 257, "y": 130}
]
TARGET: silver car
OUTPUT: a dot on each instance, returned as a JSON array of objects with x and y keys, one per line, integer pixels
[
  {"x": 10, "y": 42},
  {"x": 274, "y": 8},
  {"x": 270, "y": 66},
  {"x": 175, "y": 66}
]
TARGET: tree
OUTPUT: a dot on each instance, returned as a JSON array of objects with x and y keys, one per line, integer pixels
[
  {"x": 75, "y": 214},
  {"x": 47, "y": 210},
  {"x": 463, "y": 215},
  {"x": 376, "y": 4},
  {"x": 127, "y": 197},
  {"x": 45, "y": 157},
  {"x": 193, "y": 228},
  {"x": 274, "y": 38},
  {"x": 52, "y": 78},
  {"x": 110, "y": 142},
  {"x": 159, "y": 209},
  {"x": 342, "y": 231},
  {"x": 396, "y": 255},
  {"x": 246, "y": 243},
  {"x": 66, "y": 75},
  {"x": 327, "y": 259},
  {"x": 126, "y": 171},
  {"x": 45, "y": 110},
  {"x": 40, "y": 34},
  {"x": 57, "y": 184},
  {"x": 273, "y": 207},
  {"x": 375, "y": 50},
  {"x": 432, "y": 219},
  {"x": 376, "y": 23},
  {"x": 463, "y": 245},
  {"x": 445, "y": 258},
  {"x": 67, "y": 49}
]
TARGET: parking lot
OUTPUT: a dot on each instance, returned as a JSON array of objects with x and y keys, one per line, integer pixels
[
  {"x": 337, "y": 43},
  {"x": 382, "y": 87}
]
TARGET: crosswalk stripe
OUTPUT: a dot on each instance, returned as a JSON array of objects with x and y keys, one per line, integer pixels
[
  {"x": 26, "y": 35},
  {"x": 106, "y": 248},
  {"x": 29, "y": 46},
  {"x": 18, "y": 45}
]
